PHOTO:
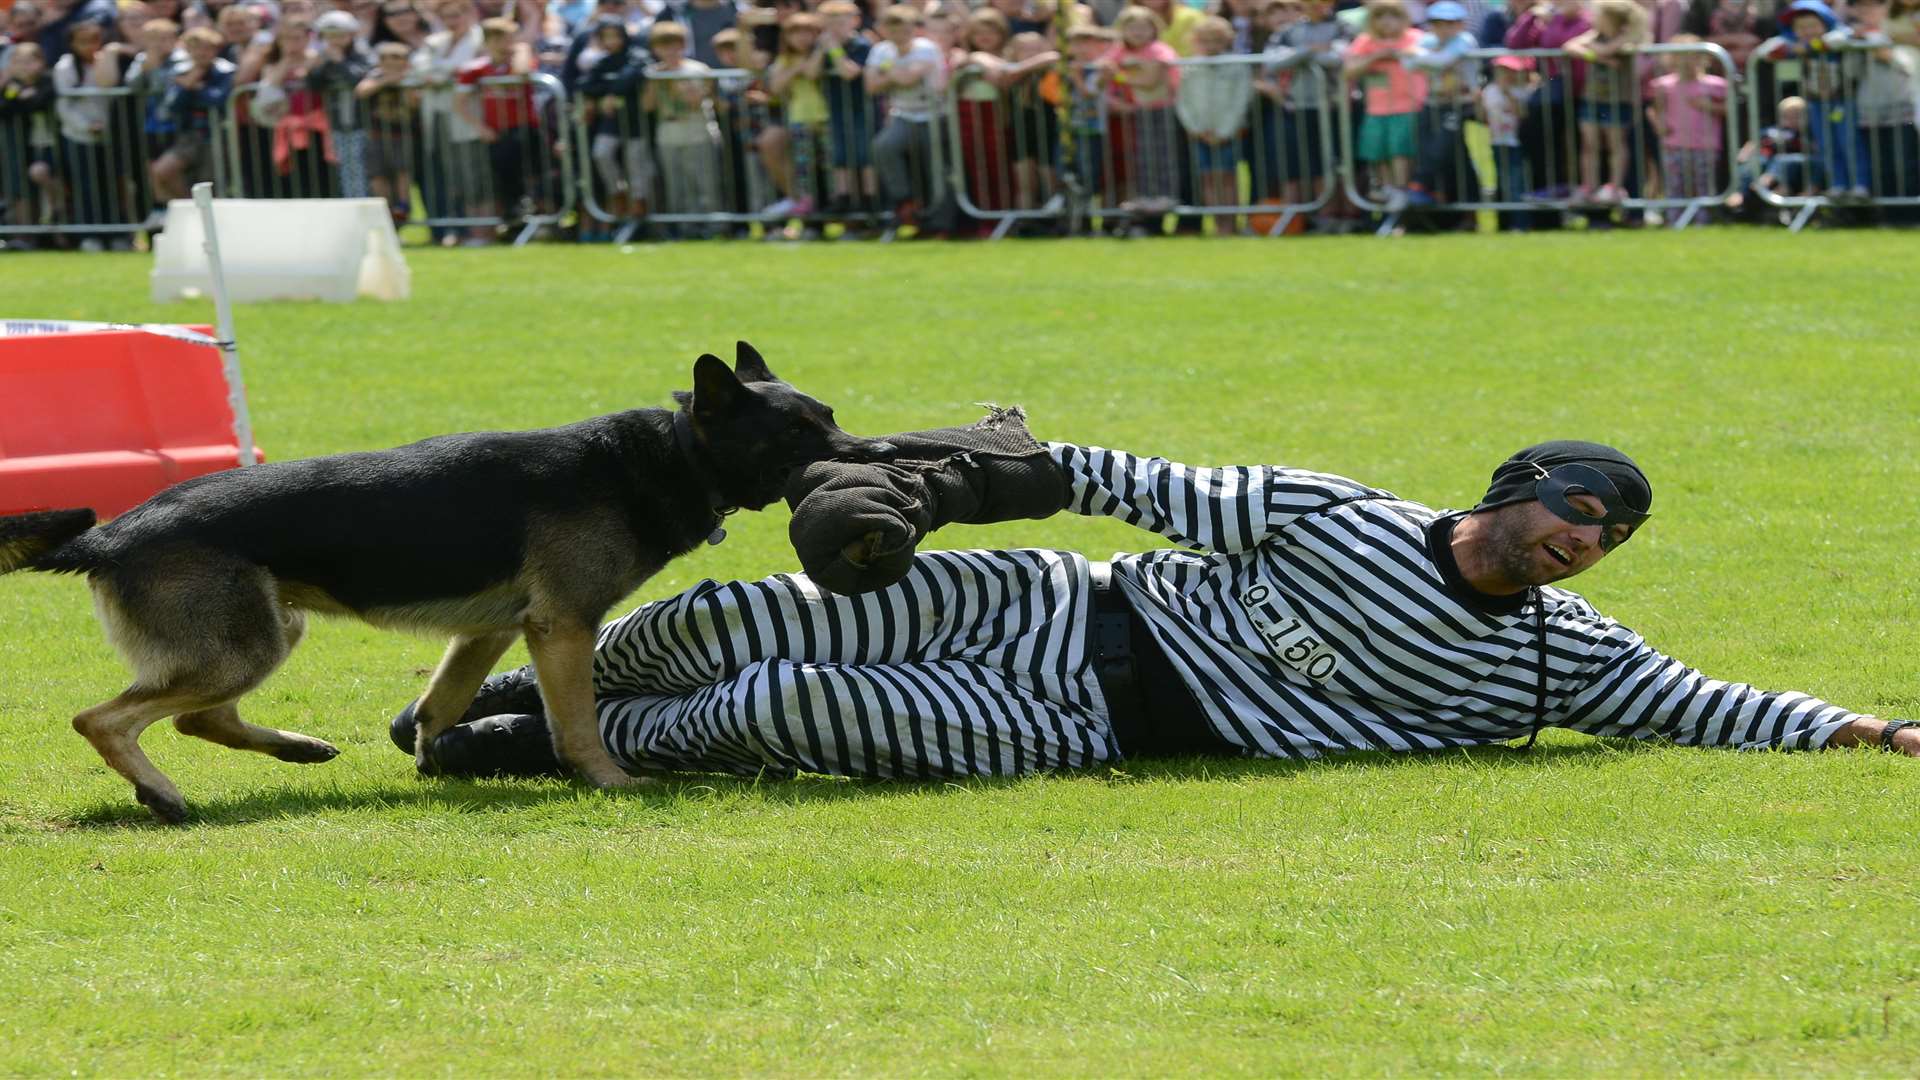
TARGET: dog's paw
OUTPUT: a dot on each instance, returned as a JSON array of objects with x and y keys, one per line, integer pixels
[
  {"x": 166, "y": 807},
  {"x": 424, "y": 764},
  {"x": 307, "y": 752}
]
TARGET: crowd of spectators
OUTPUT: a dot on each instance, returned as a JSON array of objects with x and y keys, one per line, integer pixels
[{"x": 833, "y": 105}]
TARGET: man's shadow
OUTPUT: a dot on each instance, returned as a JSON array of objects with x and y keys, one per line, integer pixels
[{"x": 512, "y": 794}]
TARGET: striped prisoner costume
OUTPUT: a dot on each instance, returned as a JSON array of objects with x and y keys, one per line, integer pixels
[{"x": 1306, "y": 613}]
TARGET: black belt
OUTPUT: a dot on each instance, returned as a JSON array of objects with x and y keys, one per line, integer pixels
[{"x": 1148, "y": 703}]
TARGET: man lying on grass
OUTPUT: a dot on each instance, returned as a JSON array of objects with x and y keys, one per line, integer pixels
[{"x": 1305, "y": 614}]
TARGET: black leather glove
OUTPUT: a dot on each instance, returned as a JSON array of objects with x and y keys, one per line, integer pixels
[{"x": 856, "y": 527}]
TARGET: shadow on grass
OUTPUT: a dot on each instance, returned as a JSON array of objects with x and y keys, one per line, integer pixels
[{"x": 506, "y": 795}]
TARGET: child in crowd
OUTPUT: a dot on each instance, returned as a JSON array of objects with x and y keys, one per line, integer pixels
[
  {"x": 27, "y": 141},
  {"x": 148, "y": 79},
  {"x": 343, "y": 63},
  {"x": 1886, "y": 103},
  {"x": 504, "y": 116},
  {"x": 197, "y": 89},
  {"x": 1307, "y": 56},
  {"x": 1606, "y": 113},
  {"x": 1395, "y": 92},
  {"x": 1212, "y": 105},
  {"x": 1260, "y": 146},
  {"x": 677, "y": 96},
  {"x": 910, "y": 70},
  {"x": 1086, "y": 109},
  {"x": 610, "y": 91},
  {"x": 850, "y": 113},
  {"x": 1502, "y": 106},
  {"x": 795, "y": 83},
  {"x": 1033, "y": 116},
  {"x": 736, "y": 121},
  {"x": 1828, "y": 77},
  {"x": 389, "y": 106},
  {"x": 1688, "y": 108},
  {"x": 1444, "y": 169},
  {"x": 95, "y": 197},
  {"x": 1776, "y": 159},
  {"x": 980, "y": 112},
  {"x": 1141, "y": 83}
]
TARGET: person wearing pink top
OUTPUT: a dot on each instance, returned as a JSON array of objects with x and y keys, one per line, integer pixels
[
  {"x": 1141, "y": 83},
  {"x": 1688, "y": 108},
  {"x": 1380, "y": 60}
]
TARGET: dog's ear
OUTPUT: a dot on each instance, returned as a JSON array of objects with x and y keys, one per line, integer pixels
[
  {"x": 715, "y": 389},
  {"x": 749, "y": 366}
]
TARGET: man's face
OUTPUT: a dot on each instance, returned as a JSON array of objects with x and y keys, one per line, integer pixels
[{"x": 1531, "y": 546}]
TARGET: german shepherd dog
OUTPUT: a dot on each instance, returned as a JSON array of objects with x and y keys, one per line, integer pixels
[{"x": 203, "y": 588}]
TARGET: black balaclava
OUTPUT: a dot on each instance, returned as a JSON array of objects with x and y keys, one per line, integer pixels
[{"x": 1537, "y": 473}]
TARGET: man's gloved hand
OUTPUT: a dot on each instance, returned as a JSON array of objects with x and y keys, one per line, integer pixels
[{"x": 855, "y": 527}]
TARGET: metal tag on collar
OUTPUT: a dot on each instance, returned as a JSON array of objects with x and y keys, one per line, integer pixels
[{"x": 718, "y": 534}]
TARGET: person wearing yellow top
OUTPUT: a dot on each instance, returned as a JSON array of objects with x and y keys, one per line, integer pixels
[
  {"x": 795, "y": 80},
  {"x": 1178, "y": 21}
]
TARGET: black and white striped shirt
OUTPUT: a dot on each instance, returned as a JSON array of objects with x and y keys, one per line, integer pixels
[{"x": 1312, "y": 614}]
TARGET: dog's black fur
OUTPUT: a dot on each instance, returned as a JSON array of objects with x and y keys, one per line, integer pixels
[{"x": 481, "y": 536}]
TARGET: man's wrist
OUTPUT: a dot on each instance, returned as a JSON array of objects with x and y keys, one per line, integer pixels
[{"x": 1890, "y": 738}]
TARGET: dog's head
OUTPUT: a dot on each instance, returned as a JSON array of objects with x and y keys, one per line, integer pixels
[{"x": 753, "y": 431}]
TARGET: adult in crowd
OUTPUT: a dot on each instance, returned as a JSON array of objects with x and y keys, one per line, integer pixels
[
  {"x": 1303, "y": 614},
  {"x": 59, "y": 17},
  {"x": 401, "y": 21}
]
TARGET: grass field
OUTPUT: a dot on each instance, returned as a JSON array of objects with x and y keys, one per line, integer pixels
[{"x": 1584, "y": 908}]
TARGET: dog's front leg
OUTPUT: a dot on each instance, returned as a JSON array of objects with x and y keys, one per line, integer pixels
[
  {"x": 562, "y": 651},
  {"x": 468, "y": 659}
]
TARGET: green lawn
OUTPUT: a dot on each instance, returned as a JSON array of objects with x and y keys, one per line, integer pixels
[{"x": 1583, "y": 908}]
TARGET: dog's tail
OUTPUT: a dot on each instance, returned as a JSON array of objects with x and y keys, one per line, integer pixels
[{"x": 36, "y": 541}]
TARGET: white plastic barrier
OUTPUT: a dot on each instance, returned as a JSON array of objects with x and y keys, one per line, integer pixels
[{"x": 283, "y": 249}]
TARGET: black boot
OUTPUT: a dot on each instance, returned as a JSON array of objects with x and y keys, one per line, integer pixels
[
  {"x": 510, "y": 692},
  {"x": 508, "y": 745}
]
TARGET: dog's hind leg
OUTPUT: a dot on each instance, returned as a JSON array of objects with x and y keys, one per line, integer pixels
[
  {"x": 224, "y": 727},
  {"x": 114, "y": 727},
  {"x": 468, "y": 659},
  {"x": 563, "y": 660}
]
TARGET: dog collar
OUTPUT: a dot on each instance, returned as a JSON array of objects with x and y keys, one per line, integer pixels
[{"x": 683, "y": 435}]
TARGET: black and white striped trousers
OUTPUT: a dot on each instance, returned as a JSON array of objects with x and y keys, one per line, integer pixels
[{"x": 974, "y": 663}]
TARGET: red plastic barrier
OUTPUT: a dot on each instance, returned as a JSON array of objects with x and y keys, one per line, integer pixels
[{"x": 105, "y": 418}]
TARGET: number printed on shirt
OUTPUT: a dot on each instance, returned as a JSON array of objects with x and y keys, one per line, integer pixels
[{"x": 1291, "y": 640}]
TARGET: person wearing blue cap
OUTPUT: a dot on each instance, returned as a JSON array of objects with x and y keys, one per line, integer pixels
[
  {"x": 1302, "y": 614},
  {"x": 1443, "y": 170}
]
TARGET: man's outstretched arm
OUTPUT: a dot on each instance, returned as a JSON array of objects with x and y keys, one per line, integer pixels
[
  {"x": 1226, "y": 510},
  {"x": 1628, "y": 689}
]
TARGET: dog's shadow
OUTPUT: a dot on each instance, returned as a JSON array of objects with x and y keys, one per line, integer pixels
[{"x": 511, "y": 795}]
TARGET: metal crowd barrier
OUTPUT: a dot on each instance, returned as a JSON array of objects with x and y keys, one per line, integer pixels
[
  {"x": 707, "y": 153},
  {"x": 1269, "y": 150},
  {"x": 301, "y": 142},
  {"x": 1551, "y": 165},
  {"x": 79, "y": 167},
  {"x": 1855, "y": 143}
]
